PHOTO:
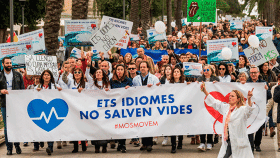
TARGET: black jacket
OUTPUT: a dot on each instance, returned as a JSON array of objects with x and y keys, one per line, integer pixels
[
  {"x": 276, "y": 98},
  {"x": 17, "y": 84},
  {"x": 268, "y": 92}
]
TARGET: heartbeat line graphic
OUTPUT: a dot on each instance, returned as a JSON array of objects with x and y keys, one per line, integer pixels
[{"x": 47, "y": 119}]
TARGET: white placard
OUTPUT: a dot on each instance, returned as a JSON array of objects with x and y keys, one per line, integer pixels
[{"x": 36, "y": 64}]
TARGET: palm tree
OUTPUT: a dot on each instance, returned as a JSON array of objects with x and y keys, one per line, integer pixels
[
  {"x": 79, "y": 9},
  {"x": 134, "y": 15},
  {"x": 52, "y": 24},
  {"x": 178, "y": 15},
  {"x": 169, "y": 16},
  {"x": 145, "y": 16}
]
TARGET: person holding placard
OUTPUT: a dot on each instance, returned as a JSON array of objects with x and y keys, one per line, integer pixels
[
  {"x": 235, "y": 140},
  {"x": 9, "y": 80}
]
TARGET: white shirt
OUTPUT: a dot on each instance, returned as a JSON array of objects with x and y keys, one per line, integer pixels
[
  {"x": 9, "y": 80},
  {"x": 226, "y": 78}
]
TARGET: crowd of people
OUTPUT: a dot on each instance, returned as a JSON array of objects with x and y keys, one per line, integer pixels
[{"x": 125, "y": 71}]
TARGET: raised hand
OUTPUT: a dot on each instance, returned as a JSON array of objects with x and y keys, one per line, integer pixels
[{"x": 250, "y": 94}]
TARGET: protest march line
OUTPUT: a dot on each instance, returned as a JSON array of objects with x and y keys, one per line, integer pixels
[{"x": 176, "y": 109}]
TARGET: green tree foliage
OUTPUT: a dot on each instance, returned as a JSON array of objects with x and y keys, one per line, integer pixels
[
  {"x": 113, "y": 8},
  {"x": 34, "y": 10}
]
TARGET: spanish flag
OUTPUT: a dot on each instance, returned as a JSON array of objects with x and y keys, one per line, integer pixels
[{"x": 15, "y": 38}]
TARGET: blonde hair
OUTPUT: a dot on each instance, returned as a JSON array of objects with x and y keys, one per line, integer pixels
[{"x": 240, "y": 96}]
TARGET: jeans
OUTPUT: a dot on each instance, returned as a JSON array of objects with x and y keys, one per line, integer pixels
[
  {"x": 271, "y": 124},
  {"x": 8, "y": 144},
  {"x": 147, "y": 141},
  {"x": 209, "y": 138}
]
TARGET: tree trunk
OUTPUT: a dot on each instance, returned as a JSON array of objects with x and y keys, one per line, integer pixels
[
  {"x": 52, "y": 24},
  {"x": 145, "y": 16},
  {"x": 277, "y": 14},
  {"x": 3, "y": 33},
  {"x": 178, "y": 15},
  {"x": 79, "y": 9},
  {"x": 134, "y": 15},
  {"x": 169, "y": 16}
]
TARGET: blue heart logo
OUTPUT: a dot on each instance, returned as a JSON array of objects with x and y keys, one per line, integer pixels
[
  {"x": 151, "y": 33},
  {"x": 187, "y": 67},
  {"x": 47, "y": 116}
]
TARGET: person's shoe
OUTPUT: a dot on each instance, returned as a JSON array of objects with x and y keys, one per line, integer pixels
[
  {"x": 149, "y": 148},
  {"x": 119, "y": 147},
  {"x": 75, "y": 151},
  {"x": 25, "y": 144},
  {"x": 265, "y": 131},
  {"x": 112, "y": 144},
  {"x": 272, "y": 132},
  {"x": 201, "y": 147},
  {"x": 59, "y": 146},
  {"x": 49, "y": 151},
  {"x": 179, "y": 146},
  {"x": 197, "y": 141},
  {"x": 123, "y": 149},
  {"x": 143, "y": 147},
  {"x": 164, "y": 142},
  {"x": 42, "y": 144},
  {"x": 209, "y": 146},
  {"x": 193, "y": 141},
  {"x": 18, "y": 150},
  {"x": 64, "y": 143},
  {"x": 216, "y": 139},
  {"x": 104, "y": 150},
  {"x": 84, "y": 148},
  {"x": 34, "y": 150},
  {"x": 155, "y": 140},
  {"x": 97, "y": 149},
  {"x": 258, "y": 148},
  {"x": 136, "y": 143},
  {"x": 173, "y": 149},
  {"x": 9, "y": 152}
]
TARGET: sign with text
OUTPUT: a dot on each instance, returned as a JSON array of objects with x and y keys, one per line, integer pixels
[
  {"x": 36, "y": 64},
  {"x": 78, "y": 32},
  {"x": 214, "y": 50},
  {"x": 38, "y": 40},
  {"x": 124, "y": 28},
  {"x": 52, "y": 115},
  {"x": 201, "y": 11},
  {"x": 16, "y": 51},
  {"x": 265, "y": 52},
  {"x": 264, "y": 32},
  {"x": 134, "y": 37},
  {"x": 106, "y": 38},
  {"x": 153, "y": 36},
  {"x": 191, "y": 68},
  {"x": 236, "y": 24},
  {"x": 228, "y": 17}
]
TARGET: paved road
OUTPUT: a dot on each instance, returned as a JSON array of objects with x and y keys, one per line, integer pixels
[{"x": 269, "y": 150}]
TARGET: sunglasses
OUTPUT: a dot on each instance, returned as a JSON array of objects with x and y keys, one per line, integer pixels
[
  {"x": 206, "y": 70},
  {"x": 131, "y": 68},
  {"x": 222, "y": 68},
  {"x": 77, "y": 72}
]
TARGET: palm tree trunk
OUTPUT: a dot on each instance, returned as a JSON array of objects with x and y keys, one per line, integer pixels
[
  {"x": 79, "y": 9},
  {"x": 3, "y": 33},
  {"x": 134, "y": 15},
  {"x": 178, "y": 15},
  {"x": 145, "y": 16},
  {"x": 52, "y": 24},
  {"x": 169, "y": 16}
]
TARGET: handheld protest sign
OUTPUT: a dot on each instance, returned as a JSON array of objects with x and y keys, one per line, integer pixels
[
  {"x": 264, "y": 32},
  {"x": 265, "y": 52},
  {"x": 36, "y": 64},
  {"x": 201, "y": 11}
]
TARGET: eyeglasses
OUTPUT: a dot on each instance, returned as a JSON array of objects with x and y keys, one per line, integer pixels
[
  {"x": 77, "y": 72},
  {"x": 206, "y": 70},
  {"x": 131, "y": 68},
  {"x": 254, "y": 73},
  {"x": 222, "y": 68}
]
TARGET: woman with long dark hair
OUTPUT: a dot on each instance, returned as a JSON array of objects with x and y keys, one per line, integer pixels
[
  {"x": 223, "y": 73},
  {"x": 119, "y": 80}
]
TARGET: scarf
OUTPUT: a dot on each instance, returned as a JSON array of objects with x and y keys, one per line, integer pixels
[{"x": 226, "y": 122}]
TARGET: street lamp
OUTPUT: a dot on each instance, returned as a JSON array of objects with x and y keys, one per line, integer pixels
[
  {"x": 11, "y": 20},
  {"x": 22, "y": 2}
]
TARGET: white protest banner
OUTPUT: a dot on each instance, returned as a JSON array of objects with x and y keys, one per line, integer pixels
[
  {"x": 124, "y": 28},
  {"x": 16, "y": 51},
  {"x": 78, "y": 32},
  {"x": 264, "y": 32},
  {"x": 134, "y": 37},
  {"x": 36, "y": 64},
  {"x": 265, "y": 52},
  {"x": 106, "y": 38},
  {"x": 38, "y": 40},
  {"x": 214, "y": 49},
  {"x": 191, "y": 68},
  {"x": 177, "y": 109},
  {"x": 236, "y": 24},
  {"x": 228, "y": 17},
  {"x": 153, "y": 36}
]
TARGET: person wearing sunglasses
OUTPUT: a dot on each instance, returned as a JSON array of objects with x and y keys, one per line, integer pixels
[
  {"x": 207, "y": 76},
  {"x": 223, "y": 73},
  {"x": 132, "y": 70},
  {"x": 120, "y": 80}
]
